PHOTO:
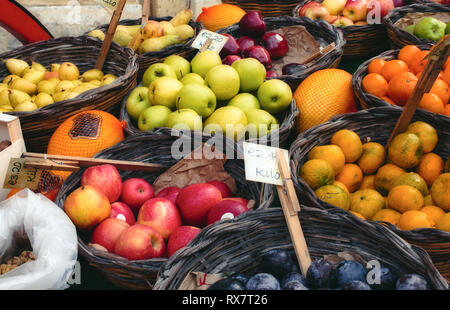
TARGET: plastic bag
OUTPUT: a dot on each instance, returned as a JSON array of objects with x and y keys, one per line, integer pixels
[{"x": 52, "y": 236}]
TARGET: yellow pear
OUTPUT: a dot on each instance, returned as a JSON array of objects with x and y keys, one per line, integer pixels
[
  {"x": 38, "y": 66},
  {"x": 184, "y": 31},
  {"x": 64, "y": 86},
  {"x": 182, "y": 17},
  {"x": 54, "y": 80},
  {"x": 24, "y": 85},
  {"x": 96, "y": 82},
  {"x": 168, "y": 27},
  {"x": 71, "y": 95},
  {"x": 3, "y": 87},
  {"x": 93, "y": 74},
  {"x": 17, "y": 96},
  {"x": 68, "y": 71},
  {"x": 4, "y": 97},
  {"x": 34, "y": 76},
  {"x": 43, "y": 99},
  {"x": 6, "y": 108},
  {"x": 122, "y": 37},
  {"x": 80, "y": 89},
  {"x": 97, "y": 33},
  {"x": 157, "y": 44},
  {"x": 46, "y": 86},
  {"x": 16, "y": 66},
  {"x": 77, "y": 82},
  {"x": 26, "y": 106},
  {"x": 59, "y": 96},
  {"x": 10, "y": 78},
  {"x": 108, "y": 79},
  {"x": 88, "y": 85},
  {"x": 54, "y": 67},
  {"x": 132, "y": 29}
]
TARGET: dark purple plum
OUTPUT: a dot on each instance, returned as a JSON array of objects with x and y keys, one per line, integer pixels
[
  {"x": 292, "y": 68},
  {"x": 321, "y": 274},
  {"x": 350, "y": 270},
  {"x": 411, "y": 282},
  {"x": 263, "y": 281},
  {"x": 356, "y": 285},
  {"x": 277, "y": 262}
]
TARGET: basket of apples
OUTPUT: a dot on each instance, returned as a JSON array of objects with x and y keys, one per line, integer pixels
[
  {"x": 130, "y": 221},
  {"x": 268, "y": 8},
  {"x": 254, "y": 252},
  {"x": 417, "y": 24},
  {"x": 361, "y": 21},
  {"x": 46, "y": 82},
  {"x": 287, "y": 55}
]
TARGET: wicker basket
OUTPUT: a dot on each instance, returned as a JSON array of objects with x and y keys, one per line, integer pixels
[
  {"x": 399, "y": 37},
  {"x": 267, "y": 8},
  {"x": 39, "y": 125},
  {"x": 376, "y": 124},
  {"x": 322, "y": 31},
  {"x": 361, "y": 41},
  {"x": 236, "y": 246},
  {"x": 153, "y": 149},
  {"x": 145, "y": 60}
]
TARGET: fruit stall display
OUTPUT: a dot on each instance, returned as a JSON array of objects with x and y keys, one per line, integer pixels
[
  {"x": 262, "y": 258},
  {"x": 266, "y": 7},
  {"x": 344, "y": 164},
  {"x": 159, "y": 38},
  {"x": 417, "y": 24},
  {"x": 142, "y": 206},
  {"x": 31, "y": 73},
  {"x": 275, "y": 42}
]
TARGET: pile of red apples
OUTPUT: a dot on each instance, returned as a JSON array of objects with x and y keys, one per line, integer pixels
[{"x": 128, "y": 218}]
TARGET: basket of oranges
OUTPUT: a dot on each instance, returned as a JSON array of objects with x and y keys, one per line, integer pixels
[
  {"x": 46, "y": 82},
  {"x": 389, "y": 79},
  {"x": 344, "y": 164},
  {"x": 227, "y": 188},
  {"x": 268, "y": 8}
]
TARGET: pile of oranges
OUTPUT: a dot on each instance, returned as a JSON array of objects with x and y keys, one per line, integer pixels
[
  {"x": 405, "y": 184},
  {"x": 394, "y": 80}
]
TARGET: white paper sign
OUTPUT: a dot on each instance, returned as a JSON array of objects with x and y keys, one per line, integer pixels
[
  {"x": 261, "y": 164},
  {"x": 112, "y": 4},
  {"x": 218, "y": 40}
]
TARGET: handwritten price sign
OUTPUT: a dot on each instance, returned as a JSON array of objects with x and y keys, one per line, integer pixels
[
  {"x": 112, "y": 4},
  {"x": 217, "y": 43},
  {"x": 17, "y": 176}
]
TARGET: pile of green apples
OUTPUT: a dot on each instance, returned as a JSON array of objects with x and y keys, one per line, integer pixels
[
  {"x": 429, "y": 28},
  {"x": 30, "y": 87},
  {"x": 205, "y": 95}
]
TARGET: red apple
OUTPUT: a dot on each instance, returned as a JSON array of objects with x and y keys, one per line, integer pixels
[
  {"x": 160, "y": 214},
  {"x": 228, "y": 60},
  {"x": 252, "y": 24},
  {"x": 180, "y": 238},
  {"x": 139, "y": 242},
  {"x": 303, "y": 9},
  {"x": 398, "y": 3},
  {"x": 86, "y": 207},
  {"x": 239, "y": 199},
  {"x": 317, "y": 12},
  {"x": 222, "y": 187},
  {"x": 343, "y": 21},
  {"x": 380, "y": 7},
  {"x": 194, "y": 202},
  {"x": 231, "y": 47},
  {"x": 275, "y": 43},
  {"x": 135, "y": 192},
  {"x": 260, "y": 53},
  {"x": 331, "y": 19},
  {"x": 107, "y": 232},
  {"x": 170, "y": 193},
  {"x": 106, "y": 178},
  {"x": 245, "y": 42},
  {"x": 355, "y": 10},
  {"x": 271, "y": 74},
  {"x": 121, "y": 211},
  {"x": 226, "y": 209}
]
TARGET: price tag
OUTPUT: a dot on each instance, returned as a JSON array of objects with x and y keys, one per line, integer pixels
[
  {"x": 112, "y": 4},
  {"x": 17, "y": 176},
  {"x": 261, "y": 164},
  {"x": 217, "y": 43}
]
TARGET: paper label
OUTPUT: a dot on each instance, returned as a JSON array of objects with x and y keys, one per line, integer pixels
[
  {"x": 261, "y": 164},
  {"x": 112, "y": 4},
  {"x": 218, "y": 40},
  {"x": 17, "y": 176}
]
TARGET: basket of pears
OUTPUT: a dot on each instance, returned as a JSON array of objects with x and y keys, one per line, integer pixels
[
  {"x": 46, "y": 82},
  {"x": 157, "y": 38}
]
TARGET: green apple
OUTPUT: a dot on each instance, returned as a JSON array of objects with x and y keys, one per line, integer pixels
[
  {"x": 447, "y": 28},
  {"x": 251, "y": 72},
  {"x": 179, "y": 65},
  {"x": 197, "y": 97},
  {"x": 193, "y": 78},
  {"x": 204, "y": 61},
  {"x": 429, "y": 28},
  {"x": 245, "y": 102},
  {"x": 274, "y": 96},
  {"x": 224, "y": 81},
  {"x": 229, "y": 121},
  {"x": 155, "y": 71},
  {"x": 184, "y": 119},
  {"x": 163, "y": 91},
  {"x": 410, "y": 28},
  {"x": 137, "y": 101},
  {"x": 153, "y": 117},
  {"x": 260, "y": 123}
]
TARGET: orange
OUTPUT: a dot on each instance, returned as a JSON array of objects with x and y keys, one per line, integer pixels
[
  {"x": 376, "y": 66},
  {"x": 443, "y": 223},
  {"x": 373, "y": 156},
  {"x": 440, "y": 88},
  {"x": 350, "y": 144},
  {"x": 368, "y": 182},
  {"x": 393, "y": 67},
  {"x": 440, "y": 191},
  {"x": 408, "y": 53},
  {"x": 358, "y": 215},
  {"x": 341, "y": 185},
  {"x": 404, "y": 198},
  {"x": 387, "y": 215},
  {"x": 366, "y": 202},
  {"x": 385, "y": 177},
  {"x": 351, "y": 176},
  {"x": 414, "y": 219},
  {"x": 430, "y": 167},
  {"x": 446, "y": 75},
  {"x": 401, "y": 87},
  {"x": 447, "y": 110},
  {"x": 433, "y": 212},
  {"x": 220, "y": 16},
  {"x": 419, "y": 63},
  {"x": 334, "y": 195},
  {"x": 388, "y": 100},
  {"x": 432, "y": 102},
  {"x": 317, "y": 173},
  {"x": 426, "y": 133},
  {"x": 375, "y": 84},
  {"x": 12, "y": 192},
  {"x": 428, "y": 201},
  {"x": 412, "y": 179},
  {"x": 330, "y": 153},
  {"x": 405, "y": 150},
  {"x": 322, "y": 95}
]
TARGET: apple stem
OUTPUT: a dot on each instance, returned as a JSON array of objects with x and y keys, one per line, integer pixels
[{"x": 177, "y": 104}]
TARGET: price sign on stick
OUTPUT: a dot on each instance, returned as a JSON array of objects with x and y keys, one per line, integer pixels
[
  {"x": 217, "y": 41},
  {"x": 19, "y": 176},
  {"x": 271, "y": 165}
]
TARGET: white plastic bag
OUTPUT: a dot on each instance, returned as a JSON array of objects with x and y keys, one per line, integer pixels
[{"x": 52, "y": 236}]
